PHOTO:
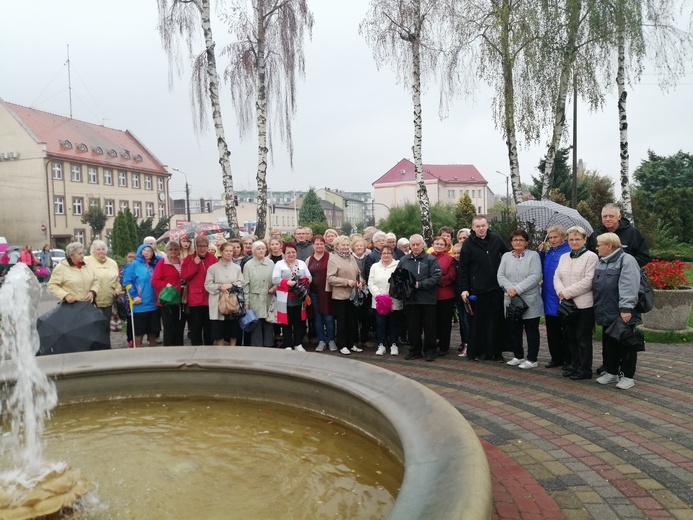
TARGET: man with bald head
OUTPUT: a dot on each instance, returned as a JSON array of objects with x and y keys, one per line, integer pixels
[{"x": 632, "y": 241}]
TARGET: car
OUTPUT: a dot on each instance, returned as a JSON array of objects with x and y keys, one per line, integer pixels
[{"x": 56, "y": 255}]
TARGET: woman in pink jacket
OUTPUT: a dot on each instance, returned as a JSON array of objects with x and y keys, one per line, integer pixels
[{"x": 573, "y": 281}]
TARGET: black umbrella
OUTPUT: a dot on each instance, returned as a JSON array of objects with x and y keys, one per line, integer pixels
[{"x": 72, "y": 327}]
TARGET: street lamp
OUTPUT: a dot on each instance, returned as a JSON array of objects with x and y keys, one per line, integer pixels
[
  {"x": 187, "y": 192},
  {"x": 507, "y": 188}
]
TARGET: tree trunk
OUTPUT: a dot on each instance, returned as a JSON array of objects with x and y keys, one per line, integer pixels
[
  {"x": 509, "y": 107},
  {"x": 421, "y": 193},
  {"x": 567, "y": 61},
  {"x": 224, "y": 153},
  {"x": 626, "y": 206},
  {"x": 261, "y": 115}
]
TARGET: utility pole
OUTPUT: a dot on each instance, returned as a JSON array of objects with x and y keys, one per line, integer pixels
[
  {"x": 187, "y": 192},
  {"x": 507, "y": 188}
]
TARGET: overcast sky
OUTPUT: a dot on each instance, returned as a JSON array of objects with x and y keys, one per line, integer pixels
[{"x": 354, "y": 121}]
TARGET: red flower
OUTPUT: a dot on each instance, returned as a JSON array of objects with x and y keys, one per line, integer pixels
[{"x": 667, "y": 275}]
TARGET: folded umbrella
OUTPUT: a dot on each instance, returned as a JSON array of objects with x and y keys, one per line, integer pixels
[
  {"x": 626, "y": 335},
  {"x": 72, "y": 327}
]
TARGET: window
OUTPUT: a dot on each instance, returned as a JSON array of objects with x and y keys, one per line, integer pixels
[
  {"x": 123, "y": 205},
  {"x": 77, "y": 205},
  {"x": 82, "y": 147},
  {"x": 137, "y": 209},
  {"x": 162, "y": 211},
  {"x": 76, "y": 172},
  {"x": 94, "y": 203},
  {"x": 479, "y": 210},
  {"x": 97, "y": 149},
  {"x": 149, "y": 207},
  {"x": 108, "y": 177},
  {"x": 92, "y": 175},
  {"x": 451, "y": 194},
  {"x": 57, "y": 171},
  {"x": 160, "y": 183},
  {"x": 79, "y": 236},
  {"x": 122, "y": 178},
  {"x": 66, "y": 144},
  {"x": 58, "y": 205},
  {"x": 110, "y": 207},
  {"x": 136, "y": 180},
  {"x": 125, "y": 154},
  {"x": 147, "y": 182},
  {"x": 478, "y": 193}
]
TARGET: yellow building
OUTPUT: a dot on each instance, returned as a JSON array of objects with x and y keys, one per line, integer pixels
[{"x": 53, "y": 169}]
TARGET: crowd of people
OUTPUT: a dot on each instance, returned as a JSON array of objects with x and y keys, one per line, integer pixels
[{"x": 374, "y": 290}]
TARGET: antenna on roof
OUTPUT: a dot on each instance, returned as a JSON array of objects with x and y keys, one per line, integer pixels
[{"x": 69, "y": 79}]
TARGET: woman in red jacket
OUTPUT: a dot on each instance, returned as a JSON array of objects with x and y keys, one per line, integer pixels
[
  {"x": 445, "y": 294},
  {"x": 194, "y": 273},
  {"x": 167, "y": 273}
]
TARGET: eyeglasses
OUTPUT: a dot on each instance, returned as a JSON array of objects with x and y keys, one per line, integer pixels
[{"x": 519, "y": 240}]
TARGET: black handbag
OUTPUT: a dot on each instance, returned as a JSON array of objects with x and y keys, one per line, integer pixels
[
  {"x": 516, "y": 308},
  {"x": 567, "y": 310}
]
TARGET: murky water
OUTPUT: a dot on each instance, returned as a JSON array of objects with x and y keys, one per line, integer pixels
[{"x": 227, "y": 459}]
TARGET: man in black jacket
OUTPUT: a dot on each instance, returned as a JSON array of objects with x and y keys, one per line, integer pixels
[
  {"x": 632, "y": 241},
  {"x": 478, "y": 276},
  {"x": 420, "y": 308}
]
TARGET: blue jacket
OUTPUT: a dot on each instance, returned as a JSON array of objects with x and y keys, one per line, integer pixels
[
  {"x": 139, "y": 275},
  {"x": 550, "y": 260}
]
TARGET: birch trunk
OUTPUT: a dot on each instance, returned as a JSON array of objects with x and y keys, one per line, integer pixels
[
  {"x": 261, "y": 116},
  {"x": 224, "y": 153},
  {"x": 422, "y": 194},
  {"x": 509, "y": 106},
  {"x": 626, "y": 206},
  {"x": 567, "y": 61}
]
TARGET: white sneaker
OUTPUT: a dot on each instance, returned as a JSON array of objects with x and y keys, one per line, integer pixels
[
  {"x": 394, "y": 351},
  {"x": 355, "y": 348},
  {"x": 299, "y": 348},
  {"x": 321, "y": 346},
  {"x": 515, "y": 362},
  {"x": 607, "y": 378},
  {"x": 345, "y": 351},
  {"x": 288, "y": 348},
  {"x": 529, "y": 364},
  {"x": 625, "y": 383},
  {"x": 381, "y": 350},
  {"x": 332, "y": 346}
]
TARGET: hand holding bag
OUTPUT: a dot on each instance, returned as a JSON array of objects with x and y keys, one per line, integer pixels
[
  {"x": 516, "y": 308},
  {"x": 169, "y": 295},
  {"x": 567, "y": 310},
  {"x": 228, "y": 303}
]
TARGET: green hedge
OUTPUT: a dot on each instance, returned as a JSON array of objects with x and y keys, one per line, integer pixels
[{"x": 682, "y": 252}]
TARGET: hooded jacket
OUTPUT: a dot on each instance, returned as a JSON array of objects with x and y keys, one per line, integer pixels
[
  {"x": 479, "y": 262},
  {"x": 632, "y": 241},
  {"x": 138, "y": 275}
]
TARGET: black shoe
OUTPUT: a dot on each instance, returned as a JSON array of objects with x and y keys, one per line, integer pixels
[
  {"x": 552, "y": 364},
  {"x": 568, "y": 367},
  {"x": 484, "y": 357},
  {"x": 499, "y": 359},
  {"x": 600, "y": 370},
  {"x": 443, "y": 352},
  {"x": 412, "y": 355},
  {"x": 569, "y": 373},
  {"x": 580, "y": 375},
  {"x": 430, "y": 356}
]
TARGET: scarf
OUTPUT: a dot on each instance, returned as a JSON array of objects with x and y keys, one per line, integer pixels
[{"x": 343, "y": 255}]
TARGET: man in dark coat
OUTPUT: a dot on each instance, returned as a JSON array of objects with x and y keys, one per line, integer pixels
[
  {"x": 420, "y": 308},
  {"x": 478, "y": 276},
  {"x": 632, "y": 241}
]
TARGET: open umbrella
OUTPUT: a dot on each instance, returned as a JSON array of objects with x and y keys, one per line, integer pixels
[
  {"x": 72, "y": 327},
  {"x": 544, "y": 213},
  {"x": 193, "y": 229}
]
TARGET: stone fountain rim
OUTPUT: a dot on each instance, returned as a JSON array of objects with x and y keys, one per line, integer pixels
[{"x": 446, "y": 471}]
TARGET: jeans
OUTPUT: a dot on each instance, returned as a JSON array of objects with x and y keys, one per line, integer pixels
[
  {"x": 324, "y": 323},
  {"x": 386, "y": 327}
]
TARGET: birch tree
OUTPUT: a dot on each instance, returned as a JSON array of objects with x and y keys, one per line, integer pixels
[
  {"x": 265, "y": 61},
  {"x": 183, "y": 20},
  {"x": 407, "y": 33}
]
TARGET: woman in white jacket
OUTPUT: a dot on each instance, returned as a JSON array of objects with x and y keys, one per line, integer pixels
[
  {"x": 573, "y": 281},
  {"x": 386, "y": 324}
]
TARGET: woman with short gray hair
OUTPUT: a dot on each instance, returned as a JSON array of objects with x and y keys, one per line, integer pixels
[
  {"x": 73, "y": 280},
  {"x": 106, "y": 271}
]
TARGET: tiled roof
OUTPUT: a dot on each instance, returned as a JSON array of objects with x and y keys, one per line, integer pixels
[
  {"x": 56, "y": 131},
  {"x": 403, "y": 171}
]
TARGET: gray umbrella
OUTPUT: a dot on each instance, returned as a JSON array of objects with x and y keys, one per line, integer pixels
[
  {"x": 72, "y": 327},
  {"x": 544, "y": 214}
]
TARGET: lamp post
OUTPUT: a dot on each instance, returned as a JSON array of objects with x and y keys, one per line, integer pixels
[
  {"x": 187, "y": 192},
  {"x": 507, "y": 188}
]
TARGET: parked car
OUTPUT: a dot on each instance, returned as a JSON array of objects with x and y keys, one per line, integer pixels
[{"x": 56, "y": 255}]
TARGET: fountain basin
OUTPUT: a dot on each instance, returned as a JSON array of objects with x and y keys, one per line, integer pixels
[{"x": 446, "y": 473}]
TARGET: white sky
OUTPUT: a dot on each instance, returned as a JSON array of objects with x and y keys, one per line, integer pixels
[{"x": 353, "y": 123}]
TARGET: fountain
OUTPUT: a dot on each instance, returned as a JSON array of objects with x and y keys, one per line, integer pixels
[
  {"x": 31, "y": 488},
  {"x": 446, "y": 475}
]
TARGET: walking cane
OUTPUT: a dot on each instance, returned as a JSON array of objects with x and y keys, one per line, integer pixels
[{"x": 132, "y": 315}]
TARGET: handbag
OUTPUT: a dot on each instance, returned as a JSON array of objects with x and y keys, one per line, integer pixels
[
  {"x": 42, "y": 271},
  {"x": 228, "y": 303},
  {"x": 184, "y": 294},
  {"x": 272, "y": 310},
  {"x": 516, "y": 308},
  {"x": 169, "y": 295},
  {"x": 249, "y": 321},
  {"x": 567, "y": 310}
]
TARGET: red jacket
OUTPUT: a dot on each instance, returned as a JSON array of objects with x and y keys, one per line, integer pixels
[
  {"x": 165, "y": 273},
  {"x": 27, "y": 257},
  {"x": 446, "y": 287},
  {"x": 195, "y": 274}
]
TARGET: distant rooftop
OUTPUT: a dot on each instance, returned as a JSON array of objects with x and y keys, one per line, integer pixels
[{"x": 403, "y": 171}]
